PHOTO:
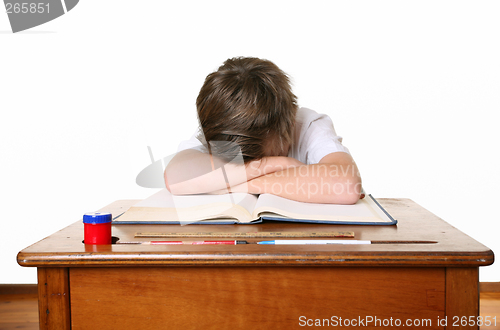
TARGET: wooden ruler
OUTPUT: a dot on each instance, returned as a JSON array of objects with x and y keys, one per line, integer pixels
[{"x": 257, "y": 234}]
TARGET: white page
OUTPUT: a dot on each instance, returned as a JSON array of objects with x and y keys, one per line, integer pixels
[
  {"x": 365, "y": 210},
  {"x": 164, "y": 199}
]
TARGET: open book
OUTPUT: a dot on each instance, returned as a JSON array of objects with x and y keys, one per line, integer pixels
[{"x": 242, "y": 208}]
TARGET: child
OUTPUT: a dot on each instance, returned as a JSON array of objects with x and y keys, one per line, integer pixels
[{"x": 247, "y": 108}]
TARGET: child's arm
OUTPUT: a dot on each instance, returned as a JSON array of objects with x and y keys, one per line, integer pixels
[
  {"x": 335, "y": 179},
  {"x": 192, "y": 172}
]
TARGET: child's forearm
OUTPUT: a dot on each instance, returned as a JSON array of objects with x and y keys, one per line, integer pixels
[
  {"x": 336, "y": 182},
  {"x": 193, "y": 172}
]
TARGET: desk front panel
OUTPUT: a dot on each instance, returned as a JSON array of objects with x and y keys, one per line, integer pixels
[{"x": 255, "y": 297}]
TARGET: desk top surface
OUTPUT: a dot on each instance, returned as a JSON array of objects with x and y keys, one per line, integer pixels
[{"x": 452, "y": 248}]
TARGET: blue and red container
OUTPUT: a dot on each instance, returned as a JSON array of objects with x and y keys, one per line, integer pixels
[{"x": 97, "y": 228}]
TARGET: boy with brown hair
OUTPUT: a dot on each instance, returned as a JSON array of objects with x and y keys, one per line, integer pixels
[{"x": 246, "y": 108}]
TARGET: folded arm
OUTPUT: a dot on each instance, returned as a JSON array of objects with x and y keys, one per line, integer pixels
[
  {"x": 194, "y": 172},
  {"x": 334, "y": 180}
]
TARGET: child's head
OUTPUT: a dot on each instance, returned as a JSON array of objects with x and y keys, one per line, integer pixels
[{"x": 249, "y": 102}]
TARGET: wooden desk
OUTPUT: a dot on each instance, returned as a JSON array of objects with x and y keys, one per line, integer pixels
[{"x": 261, "y": 286}]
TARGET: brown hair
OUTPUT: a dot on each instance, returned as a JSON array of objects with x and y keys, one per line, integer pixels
[{"x": 247, "y": 102}]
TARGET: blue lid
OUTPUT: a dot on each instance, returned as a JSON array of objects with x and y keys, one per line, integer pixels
[{"x": 97, "y": 217}]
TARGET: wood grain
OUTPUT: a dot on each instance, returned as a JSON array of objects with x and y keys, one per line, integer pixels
[
  {"x": 18, "y": 289},
  {"x": 462, "y": 297},
  {"x": 489, "y": 286},
  {"x": 258, "y": 286},
  {"x": 20, "y": 311},
  {"x": 251, "y": 297},
  {"x": 53, "y": 298},
  {"x": 490, "y": 310},
  {"x": 453, "y": 248}
]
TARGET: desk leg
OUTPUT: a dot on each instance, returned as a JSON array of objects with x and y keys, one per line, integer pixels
[
  {"x": 53, "y": 298},
  {"x": 462, "y": 297}
]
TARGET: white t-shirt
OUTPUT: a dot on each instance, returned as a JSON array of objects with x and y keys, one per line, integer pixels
[{"x": 315, "y": 138}]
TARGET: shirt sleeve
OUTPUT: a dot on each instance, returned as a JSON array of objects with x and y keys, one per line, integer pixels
[{"x": 319, "y": 138}]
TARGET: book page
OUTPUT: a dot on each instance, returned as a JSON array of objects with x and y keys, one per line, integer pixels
[
  {"x": 365, "y": 210},
  {"x": 163, "y": 198},
  {"x": 163, "y": 206}
]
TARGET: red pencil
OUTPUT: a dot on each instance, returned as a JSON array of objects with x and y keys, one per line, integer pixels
[{"x": 235, "y": 242}]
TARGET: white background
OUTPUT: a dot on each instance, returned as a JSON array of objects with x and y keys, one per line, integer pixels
[{"x": 413, "y": 87}]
